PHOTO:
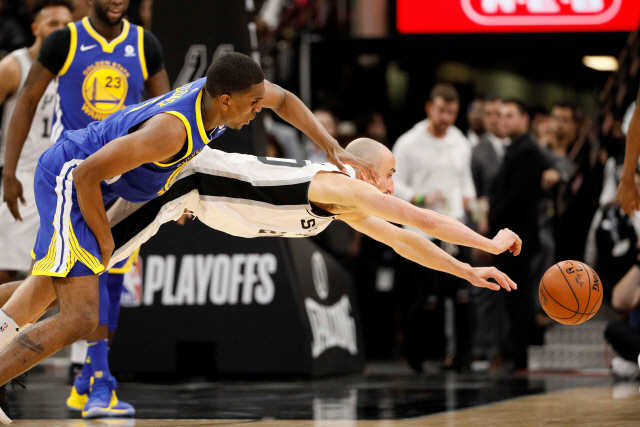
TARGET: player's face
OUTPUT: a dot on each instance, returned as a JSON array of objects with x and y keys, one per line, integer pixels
[
  {"x": 243, "y": 107},
  {"x": 386, "y": 170},
  {"x": 50, "y": 19},
  {"x": 442, "y": 114},
  {"x": 110, "y": 12}
]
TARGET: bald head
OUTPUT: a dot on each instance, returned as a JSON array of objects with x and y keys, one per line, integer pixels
[
  {"x": 379, "y": 156},
  {"x": 368, "y": 149}
]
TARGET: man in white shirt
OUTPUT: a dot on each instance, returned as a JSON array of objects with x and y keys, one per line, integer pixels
[{"x": 434, "y": 172}]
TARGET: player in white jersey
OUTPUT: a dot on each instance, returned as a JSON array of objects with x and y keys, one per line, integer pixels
[
  {"x": 250, "y": 196},
  {"x": 17, "y": 237}
]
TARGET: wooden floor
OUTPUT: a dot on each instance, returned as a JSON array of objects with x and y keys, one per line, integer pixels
[{"x": 582, "y": 407}]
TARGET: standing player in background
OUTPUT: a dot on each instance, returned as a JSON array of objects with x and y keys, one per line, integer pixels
[
  {"x": 102, "y": 64},
  {"x": 16, "y": 239}
]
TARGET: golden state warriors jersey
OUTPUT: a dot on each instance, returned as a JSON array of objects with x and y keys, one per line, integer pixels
[
  {"x": 98, "y": 77},
  {"x": 149, "y": 180}
]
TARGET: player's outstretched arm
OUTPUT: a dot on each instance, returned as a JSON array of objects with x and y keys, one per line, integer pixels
[
  {"x": 628, "y": 195},
  {"x": 159, "y": 139},
  {"x": 421, "y": 250},
  {"x": 34, "y": 87},
  {"x": 292, "y": 109},
  {"x": 357, "y": 196}
]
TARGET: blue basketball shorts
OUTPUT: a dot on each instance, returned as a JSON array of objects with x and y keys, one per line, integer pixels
[{"x": 65, "y": 246}]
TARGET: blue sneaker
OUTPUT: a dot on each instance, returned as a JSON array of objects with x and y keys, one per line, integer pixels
[
  {"x": 100, "y": 396},
  {"x": 118, "y": 407}
]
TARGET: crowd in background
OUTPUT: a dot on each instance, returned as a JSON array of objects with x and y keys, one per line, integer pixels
[{"x": 540, "y": 172}]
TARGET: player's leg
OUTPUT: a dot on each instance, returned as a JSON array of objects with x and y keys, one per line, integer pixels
[
  {"x": 78, "y": 316},
  {"x": 80, "y": 391},
  {"x": 115, "y": 285},
  {"x": 7, "y": 276}
]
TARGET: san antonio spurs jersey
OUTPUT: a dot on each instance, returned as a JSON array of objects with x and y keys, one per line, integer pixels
[
  {"x": 38, "y": 139},
  {"x": 241, "y": 195}
]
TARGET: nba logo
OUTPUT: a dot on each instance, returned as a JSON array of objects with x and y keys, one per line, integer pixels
[
  {"x": 132, "y": 286},
  {"x": 4, "y": 327}
]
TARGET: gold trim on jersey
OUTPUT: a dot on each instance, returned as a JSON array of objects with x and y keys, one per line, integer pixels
[
  {"x": 77, "y": 253},
  {"x": 127, "y": 266},
  {"x": 72, "y": 49},
  {"x": 107, "y": 46},
  {"x": 189, "y": 137},
  {"x": 203, "y": 133},
  {"x": 143, "y": 61}
]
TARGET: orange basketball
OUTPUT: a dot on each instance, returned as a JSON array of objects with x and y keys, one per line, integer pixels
[{"x": 570, "y": 292}]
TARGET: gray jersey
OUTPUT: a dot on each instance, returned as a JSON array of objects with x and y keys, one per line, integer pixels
[
  {"x": 241, "y": 195},
  {"x": 38, "y": 139}
]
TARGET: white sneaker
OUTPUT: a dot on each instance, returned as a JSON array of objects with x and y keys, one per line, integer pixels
[{"x": 624, "y": 369}]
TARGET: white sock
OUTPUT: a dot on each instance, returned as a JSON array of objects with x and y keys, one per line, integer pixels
[
  {"x": 79, "y": 352},
  {"x": 8, "y": 329}
]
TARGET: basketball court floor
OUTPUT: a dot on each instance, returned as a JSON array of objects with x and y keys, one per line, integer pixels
[{"x": 387, "y": 396}]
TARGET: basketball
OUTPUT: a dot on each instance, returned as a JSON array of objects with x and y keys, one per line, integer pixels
[{"x": 570, "y": 292}]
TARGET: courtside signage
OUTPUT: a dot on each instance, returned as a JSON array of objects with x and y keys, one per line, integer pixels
[{"x": 504, "y": 16}]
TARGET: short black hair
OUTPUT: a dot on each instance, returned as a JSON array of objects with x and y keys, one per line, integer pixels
[
  {"x": 232, "y": 73},
  {"x": 570, "y": 105},
  {"x": 38, "y": 5},
  {"x": 445, "y": 91},
  {"x": 521, "y": 106}
]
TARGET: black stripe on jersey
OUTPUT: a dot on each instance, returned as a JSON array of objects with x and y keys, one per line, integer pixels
[{"x": 279, "y": 195}]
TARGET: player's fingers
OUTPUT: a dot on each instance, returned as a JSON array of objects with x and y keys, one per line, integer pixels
[
  {"x": 501, "y": 279},
  {"x": 22, "y": 200},
  {"x": 13, "y": 208},
  {"x": 511, "y": 283},
  {"x": 491, "y": 286}
]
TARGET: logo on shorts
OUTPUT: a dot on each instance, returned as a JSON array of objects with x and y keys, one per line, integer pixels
[{"x": 4, "y": 327}]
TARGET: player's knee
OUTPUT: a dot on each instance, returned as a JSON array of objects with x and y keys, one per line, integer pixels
[{"x": 86, "y": 320}]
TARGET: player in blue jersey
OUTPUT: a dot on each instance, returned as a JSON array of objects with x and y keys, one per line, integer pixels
[
  {"x": 102, "y": 64},
  {"x": 134, "y": 154}
]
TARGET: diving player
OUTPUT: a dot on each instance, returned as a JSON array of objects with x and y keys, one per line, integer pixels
[
  {"x": 102, "y": 64},
  {"x": 134, "y": 154}
]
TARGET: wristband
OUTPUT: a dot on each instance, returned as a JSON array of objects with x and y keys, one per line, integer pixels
[{"x": 419, "y": 199}]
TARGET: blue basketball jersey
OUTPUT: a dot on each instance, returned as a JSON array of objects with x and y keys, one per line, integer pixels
[
  {"x": 151, "y": 179},
  {"x": 98, "y": 77}
]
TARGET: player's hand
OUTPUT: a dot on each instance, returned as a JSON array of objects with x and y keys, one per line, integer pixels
[
  {"x": 187, "y": 214},
  {"x": 339, "y": 157},
  {"x": 628, "y": 196},
  {"x": 507, "y": 240},
  {"x": 106, "y": 250},
  {"x": 479, "y": 277},
  {"x": 13, "y": 193}
]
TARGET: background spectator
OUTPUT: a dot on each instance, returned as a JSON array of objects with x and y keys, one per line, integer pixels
[
  {"x": 514, "y": 200},
  {"x": 433, "y": 162},
  {"x": 475, "y": 121}
]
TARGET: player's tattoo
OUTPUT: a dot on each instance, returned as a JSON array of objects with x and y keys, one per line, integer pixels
[{"x": 29, "y": 341}]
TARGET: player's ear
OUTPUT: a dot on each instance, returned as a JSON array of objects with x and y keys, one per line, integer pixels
[
  {"x": 225, "y": 101},
  {"x": 34, "y": 29}
]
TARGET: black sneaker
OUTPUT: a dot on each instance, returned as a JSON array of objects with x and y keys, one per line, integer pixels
[
  {"x": 75, "y": 369},
  {"x": 4, "y": 406}
]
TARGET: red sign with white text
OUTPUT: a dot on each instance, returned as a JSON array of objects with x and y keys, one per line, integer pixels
[{"x": 506, "y": 16}]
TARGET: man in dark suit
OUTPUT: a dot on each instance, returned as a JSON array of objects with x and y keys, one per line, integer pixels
[
  {"x": 514, "y": 199},
  {"x": 486, "y": 158}
]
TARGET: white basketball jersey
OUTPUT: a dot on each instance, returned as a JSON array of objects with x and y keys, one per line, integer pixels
[
  {"x": 241, "y": 195},
  {"x": 38, "y": 139}
]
